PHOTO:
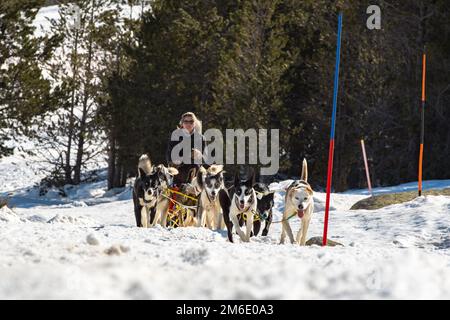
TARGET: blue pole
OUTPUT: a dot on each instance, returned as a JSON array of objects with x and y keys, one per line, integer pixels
[
  {"x": 333, "y": 126},
  {"x": 336, "y": 76}
]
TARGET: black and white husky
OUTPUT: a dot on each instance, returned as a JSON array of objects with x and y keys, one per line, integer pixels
[
  {"x": 209, "y": 210},
  {"x": 264, "y": 208},
  {"x": 146, "y": 191},
  {"x": 150, "y": 203},
  {"x": 240, "y": 200}
]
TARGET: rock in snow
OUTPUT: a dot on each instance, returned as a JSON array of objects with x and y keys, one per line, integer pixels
[
  {"x": 92, "y": 240},
  {"x": 318, "y": 242},
  {"x": 117, "y": 250}
]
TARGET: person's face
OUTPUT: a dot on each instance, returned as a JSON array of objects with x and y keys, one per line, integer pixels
[{"x": 188, "y": 124}]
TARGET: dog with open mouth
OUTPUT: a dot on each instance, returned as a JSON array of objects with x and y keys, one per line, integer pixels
[
  {"x": 298, "y": 201},
  {"x": 211, "y": 183},
  {"x": 240, "y": 200}
]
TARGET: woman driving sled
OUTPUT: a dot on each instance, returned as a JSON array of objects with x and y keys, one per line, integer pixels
[{"x": 188, "y": 131}]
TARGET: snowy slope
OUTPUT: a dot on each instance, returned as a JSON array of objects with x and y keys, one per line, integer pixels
[{"x": 401, "y": 251}]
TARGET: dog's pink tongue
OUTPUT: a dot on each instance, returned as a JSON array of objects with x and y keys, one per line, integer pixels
[
  {"x": 300, "y": 213},
  {"x": 242, "y": 207}
]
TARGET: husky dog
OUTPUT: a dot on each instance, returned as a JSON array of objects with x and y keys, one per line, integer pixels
[
  {"x": 146, "y": 191},
  {"x": 209, "y": 211},
  {"x": 264, "y": 208},
  {"x": 239, "y": 201},
  {"x": 299, "y": 200},
  {"x": 165, "y": 175}
]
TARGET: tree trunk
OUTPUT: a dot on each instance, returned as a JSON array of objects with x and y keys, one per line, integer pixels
[
  {"x": 82, "y": 132},
  {"x": 112, "y": 158},
  {"x": 68, "y": 168}
]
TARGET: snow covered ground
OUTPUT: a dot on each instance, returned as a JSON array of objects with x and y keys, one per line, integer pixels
[{"x": 86, "y": 246}]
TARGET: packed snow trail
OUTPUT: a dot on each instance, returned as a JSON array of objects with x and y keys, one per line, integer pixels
[{"x": 86, "y": 246}]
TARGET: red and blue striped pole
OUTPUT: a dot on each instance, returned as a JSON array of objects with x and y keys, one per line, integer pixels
[
  {"x": 422, "y": 120},
  {"x": 333, "y": 126}
]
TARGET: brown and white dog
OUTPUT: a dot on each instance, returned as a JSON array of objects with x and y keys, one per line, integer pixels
[
  {"x": 209, "y": 211},
  {"x": 299, "y": 200}
]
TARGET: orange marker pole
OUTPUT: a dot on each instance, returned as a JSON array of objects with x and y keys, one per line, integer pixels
[{"x": 422, "y": 128}]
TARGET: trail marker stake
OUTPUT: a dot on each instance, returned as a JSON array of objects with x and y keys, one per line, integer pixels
[
  {"x": 422, "y": 125},
  {"x": 333, "y": 126},
  {"x": 369, "y": 185}
]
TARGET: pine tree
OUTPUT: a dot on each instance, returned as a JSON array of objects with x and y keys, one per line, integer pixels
[
  {"x": 270, "y": 64},
  {"x": 23, "y": 90}
]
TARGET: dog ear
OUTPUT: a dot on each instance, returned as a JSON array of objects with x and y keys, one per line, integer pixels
[
  {"x": 236, "y": 179},
  {"x": 141, "y": 173},
  {"x": 261, "y": 195},
  {"x": 293, "y": 185},
  {"x": 173, "y": 171},
  {"x": 219, "y": 168},
  {"x": 252, "y": 178},
  {"x": 191, "y": 175},
  {"x": 310, "y": 191},
  {"x": 159, "y": 169},
  {"x": 200, "y": 175}
]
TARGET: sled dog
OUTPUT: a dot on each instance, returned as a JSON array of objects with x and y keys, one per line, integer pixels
[
  {"x": 264, "y": 207},
  {"x": 209, "y": 211},
  {"x": 240, "y": 200},
  {"x": 299, "y": 201},
  {"x": 150, "y": 205},
  {"x": 146, "y": 191}
]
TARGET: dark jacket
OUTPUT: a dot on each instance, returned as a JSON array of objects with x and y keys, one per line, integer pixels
[{"x": 184, "y": 168}]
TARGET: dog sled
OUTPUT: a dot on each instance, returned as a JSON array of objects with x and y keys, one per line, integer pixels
[{"x": 182, "y": 208}]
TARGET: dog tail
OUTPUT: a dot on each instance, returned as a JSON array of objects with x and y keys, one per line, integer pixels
[
  {"x": 215, "y": 169},
  {"x": 145, "y": 164},
  {"x": 304, "y": 175}
]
